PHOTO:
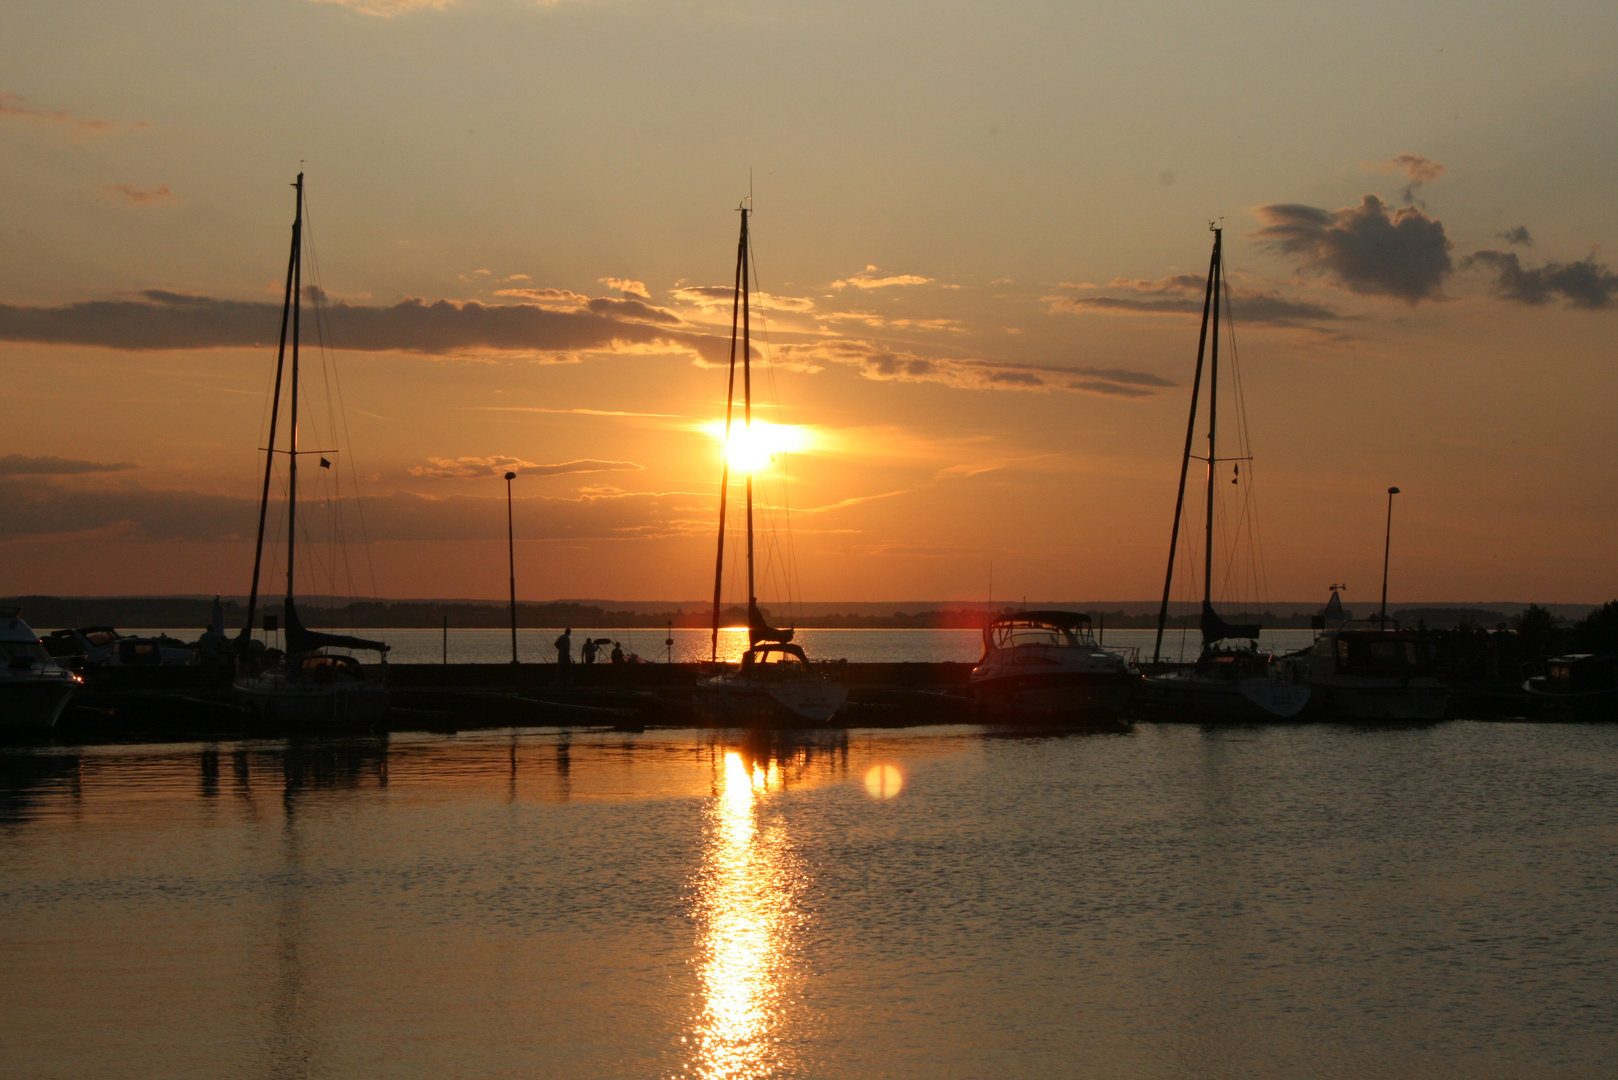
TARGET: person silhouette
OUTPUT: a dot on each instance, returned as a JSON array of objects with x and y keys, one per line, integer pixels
[
  {"x": 564, "y": 655},
  {"x": 617, "y": 653},
  {"x": 588, "y": 652}
]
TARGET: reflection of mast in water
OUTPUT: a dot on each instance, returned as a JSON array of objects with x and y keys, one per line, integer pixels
[
  {"x": 749, "y": 879},
  {"x": 291, "y": 1049}
]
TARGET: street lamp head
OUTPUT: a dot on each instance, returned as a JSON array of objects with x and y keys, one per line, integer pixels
[
  {"x": 1391, "y": 491},
  {"x": 511, "y": 476}
]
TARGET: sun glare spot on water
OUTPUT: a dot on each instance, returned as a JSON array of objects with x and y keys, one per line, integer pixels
[
  {"x": 884, "y": 781},
  {"x": 753, "y": 448},
  {"x": 746, "y": 904}
]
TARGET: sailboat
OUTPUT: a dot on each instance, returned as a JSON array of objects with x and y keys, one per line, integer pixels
[
  {"x": 307, "y": 686},
  {"x": 1231, "y": 678},
  {"x": 774, "y": 683}
]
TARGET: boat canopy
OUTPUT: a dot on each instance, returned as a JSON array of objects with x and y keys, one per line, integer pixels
[
  {"x": 1071, "y": 625},
  {"x": 302, "y": 640},
  {"x": 1215, "y": 628}
]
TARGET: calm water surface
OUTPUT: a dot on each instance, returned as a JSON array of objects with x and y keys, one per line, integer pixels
[{"x": 1308, "y": 901}]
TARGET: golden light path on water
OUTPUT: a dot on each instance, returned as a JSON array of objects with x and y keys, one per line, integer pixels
[{"x": 746, "y": 910}]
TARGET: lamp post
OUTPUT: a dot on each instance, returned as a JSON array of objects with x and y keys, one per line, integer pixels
[
  {"x": 1387, "y": 542},
  {"x": 511, "y": 557}
]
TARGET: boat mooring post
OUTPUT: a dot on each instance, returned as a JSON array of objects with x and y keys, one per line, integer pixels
[
  {"x": 1387, "y": 542},
  {"x": 511, "y": 556}
]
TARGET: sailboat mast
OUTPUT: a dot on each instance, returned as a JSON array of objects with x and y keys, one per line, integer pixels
[
  {"x": 1213, "y": 424},
  {"x": 275, "y": 410},
  {"x": 747, "y": 420},
  {"x": 292, "y": 437},
  {"x": 724, "y": 454},
  {"x": 1185, "y": 458}
]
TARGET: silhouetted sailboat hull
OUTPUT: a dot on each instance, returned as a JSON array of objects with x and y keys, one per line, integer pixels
[
  {"x": 1189, "y": 695},
  {"x": 277, "y": 699},
  {"x": 732, "y": 699}
]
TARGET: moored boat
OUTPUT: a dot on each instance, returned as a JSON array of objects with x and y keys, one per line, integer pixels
[
  {"x": 34, "y": 688},
  {"x": 305, "y": 685},
  {"x": 1047, "y": 665},
  {"x": 774, "y": 683},
  {"x": 1358, "y": 670},
  {"x": 1579, "y": 686}
]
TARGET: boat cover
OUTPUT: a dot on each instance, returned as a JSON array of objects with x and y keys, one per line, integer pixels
[
  {"x": 1215, "y": 628},
  {"x": 759, "y": 630},
  {"x": 301, "y": 639}
]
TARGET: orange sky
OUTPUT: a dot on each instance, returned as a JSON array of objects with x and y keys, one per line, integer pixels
[{"x": 981, "y": 239}]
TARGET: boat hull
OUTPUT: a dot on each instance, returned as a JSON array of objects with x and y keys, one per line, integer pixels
[
  {"x": 1051, "y": 697},
  {"x": 273, "y": 699},
  {"x": 33, "y": 704},
  {"x": 740, "y": 700},
  {"x": 1238, "y": 701},
  {"x": 1349, "y": 698}
]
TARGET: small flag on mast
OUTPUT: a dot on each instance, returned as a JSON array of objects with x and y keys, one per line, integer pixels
[{"x": 324, "y": 464}]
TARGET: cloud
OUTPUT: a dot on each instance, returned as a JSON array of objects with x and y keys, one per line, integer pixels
[
  {"x": 389, "y": 8},
  {"x": 170, "y": 320},
  {"x": 1182, "y": 294},
  {"x": 883, "y": 364},
  {"x": 50, "y": 465},
  {"x": 1585, "y": 284},
  {"x": 13, "y": 107},
  {"x": 626, "y": 285},
  {"x": 475, "y": 468},
  {"x": 720, "y": 297},
  {"x": 1419, "y": 170},
  {"x": 1519, "y": 236},
  {"x": 33, "y": 508},
  {"x": 140, "y": 196},
  {"x": 867, "y": 279},
  {"x": 1364, "y": 248}
]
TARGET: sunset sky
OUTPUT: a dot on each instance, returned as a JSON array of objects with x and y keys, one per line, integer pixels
[{"x": 981, "y": 230}]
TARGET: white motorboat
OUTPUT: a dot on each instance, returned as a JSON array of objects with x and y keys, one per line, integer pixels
[
  {"x": 308, "y": 686},
  {"x": 1047, "y": 665},
  {"x": 34, "y": 688}
]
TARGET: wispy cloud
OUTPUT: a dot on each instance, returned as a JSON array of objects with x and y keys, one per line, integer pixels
[
  {"x": 871, "y": 278},
  {"x": 1519, "y": 236},
  {"x": 35, "y": 507},
  {"x": 140, "y": 196},
  {"x": 720, "y": 297},
  {"x": 50, "y": 465},
  {"x": 1184, "y": 294},
  {"x": 884, "y": 364},
  {"x": 1418, "y": 170},
  {"x": 13, "y": 107},
  {"x": 627, "y": 286},
  {"x": 389, "y": 8},
  {"x": 1364, "y": 248},
  {"x": 572, "y": 412},
  {"x": 475, "y": 468}
]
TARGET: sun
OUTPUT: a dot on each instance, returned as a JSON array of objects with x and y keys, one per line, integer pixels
[{"x": 752, "y": 449}]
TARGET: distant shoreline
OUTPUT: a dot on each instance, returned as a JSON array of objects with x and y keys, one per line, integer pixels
[{"x": 189, "y": 612}]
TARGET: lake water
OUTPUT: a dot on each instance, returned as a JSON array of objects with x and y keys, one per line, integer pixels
[
  {"x": 923, "y": 904},
  {"x": 429, "y": 646}
]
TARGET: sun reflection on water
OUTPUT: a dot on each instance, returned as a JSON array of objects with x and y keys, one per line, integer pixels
[{"x": 746, "y": 908}]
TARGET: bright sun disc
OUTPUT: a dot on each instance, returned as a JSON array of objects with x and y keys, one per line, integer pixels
[
  {"x": 751, "y": 449},
  {"x": 884, "y": 781}
]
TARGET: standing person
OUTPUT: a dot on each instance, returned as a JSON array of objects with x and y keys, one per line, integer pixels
[
  {"x": 617, "y": 653},
  {"x": 564, "y": 656},
  {"x": 589, "y": 651}
]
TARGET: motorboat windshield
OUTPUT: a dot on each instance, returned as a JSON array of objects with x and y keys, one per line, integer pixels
[{"x": 1038, "y": 628}]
